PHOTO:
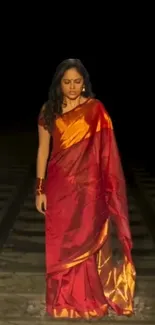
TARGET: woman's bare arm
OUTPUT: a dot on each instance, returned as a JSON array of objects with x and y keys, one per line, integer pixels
[{"x": 43, "y": 151}]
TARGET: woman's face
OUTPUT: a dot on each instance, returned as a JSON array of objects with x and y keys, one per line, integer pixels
[{"x": 72, "y": 84}]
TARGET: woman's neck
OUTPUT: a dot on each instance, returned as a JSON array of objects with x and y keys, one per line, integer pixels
[{"x": 69, "y": 104}]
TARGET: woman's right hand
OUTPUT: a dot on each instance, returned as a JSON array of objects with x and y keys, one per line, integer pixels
[{"x": 41, "y": 203}]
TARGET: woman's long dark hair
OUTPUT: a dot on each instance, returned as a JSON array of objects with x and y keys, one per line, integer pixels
[{"x": 53, "y": 107}]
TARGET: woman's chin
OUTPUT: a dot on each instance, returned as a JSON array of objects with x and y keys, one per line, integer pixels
[{"x": 73, "y": 96}]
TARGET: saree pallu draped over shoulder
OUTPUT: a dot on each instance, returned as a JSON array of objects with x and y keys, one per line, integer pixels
[{"x": 86, "y": 201}]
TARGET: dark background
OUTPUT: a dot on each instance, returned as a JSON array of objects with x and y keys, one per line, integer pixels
[{"x": 122, "y": 76}]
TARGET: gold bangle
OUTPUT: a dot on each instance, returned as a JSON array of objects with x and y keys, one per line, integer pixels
[{"x": 40, "y": 186}]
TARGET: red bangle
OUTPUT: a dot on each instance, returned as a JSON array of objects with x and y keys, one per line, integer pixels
[{"x": 40, "y": 186}]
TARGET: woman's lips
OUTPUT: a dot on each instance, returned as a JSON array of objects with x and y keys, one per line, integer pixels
[{"x": 72, "y": 92}]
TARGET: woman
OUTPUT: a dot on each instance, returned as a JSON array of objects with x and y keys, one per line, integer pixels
[{"x": 82, "y": 195}]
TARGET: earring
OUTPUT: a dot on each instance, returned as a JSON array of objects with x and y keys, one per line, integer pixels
[{"x": 83, "y": 89}]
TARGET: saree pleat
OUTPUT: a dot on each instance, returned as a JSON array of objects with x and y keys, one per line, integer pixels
[{"x": 86, "y": 201}]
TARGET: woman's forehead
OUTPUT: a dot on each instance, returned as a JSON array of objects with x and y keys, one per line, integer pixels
[{"x": 72, "y": 74}]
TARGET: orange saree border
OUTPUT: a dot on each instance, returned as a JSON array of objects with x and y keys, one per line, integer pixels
[{"x": 73, "y": 314}]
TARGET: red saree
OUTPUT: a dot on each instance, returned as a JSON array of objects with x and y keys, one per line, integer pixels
[{"x": 86, "y": 195}]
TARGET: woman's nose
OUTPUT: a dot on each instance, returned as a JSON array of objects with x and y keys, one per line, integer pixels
[{"x": 72, "y": 85}]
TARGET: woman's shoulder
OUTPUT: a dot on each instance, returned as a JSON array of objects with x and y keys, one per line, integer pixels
[
  {"x": 99, "y": 106},
  {"x": 100, "y": 112}
]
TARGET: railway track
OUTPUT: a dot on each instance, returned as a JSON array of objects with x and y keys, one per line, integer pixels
[{"x": 22, "y": 262}]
